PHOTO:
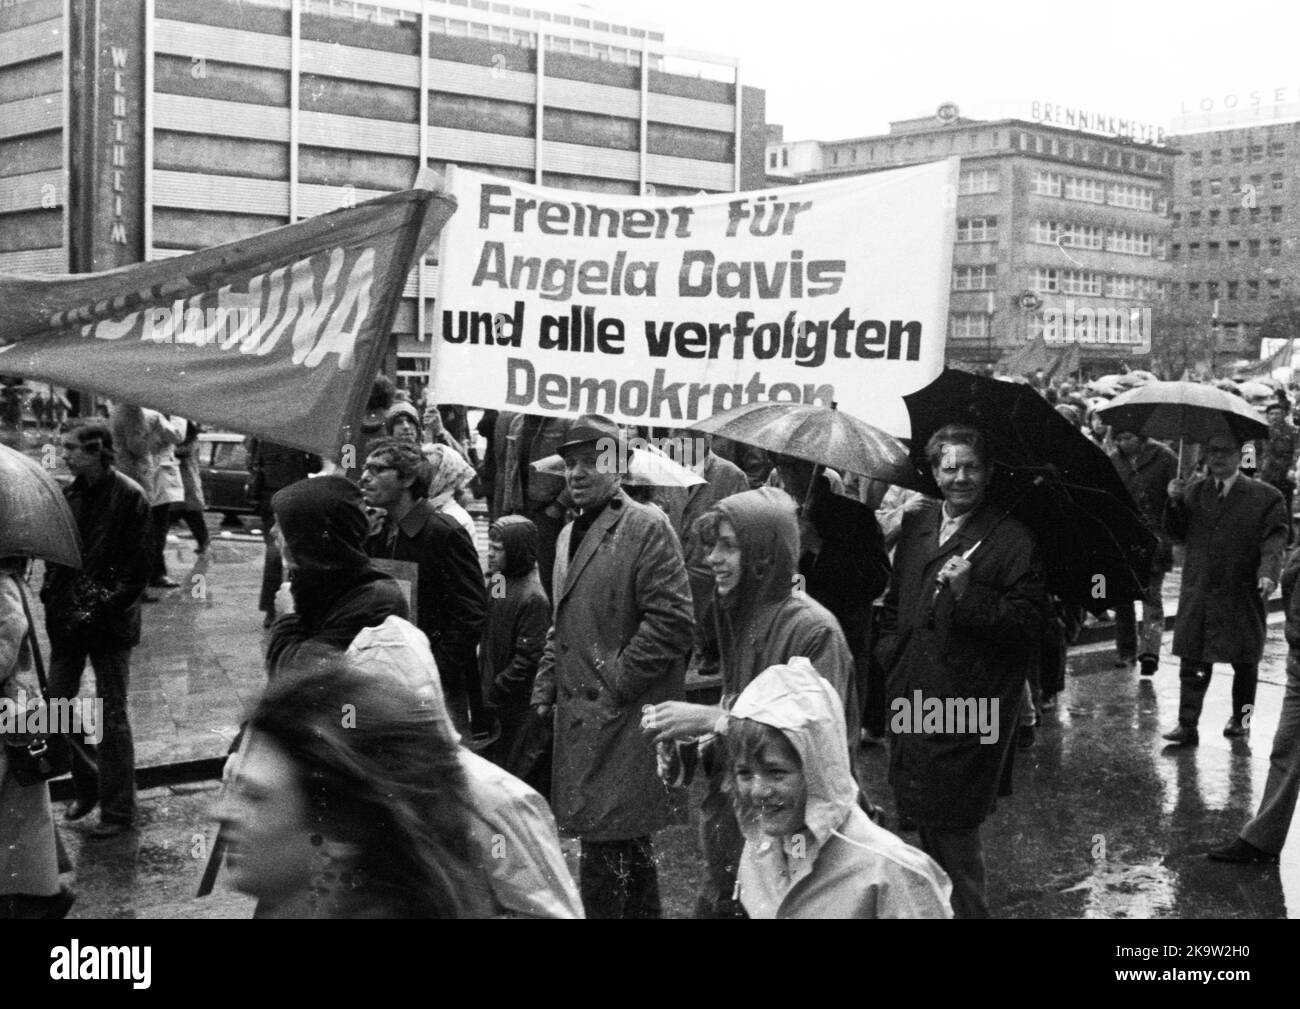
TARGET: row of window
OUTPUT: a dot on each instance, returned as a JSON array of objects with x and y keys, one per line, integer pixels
[
  {"x": 894, "y": 148},
  {"x": 1102, "y": 154},
  {"x": 1234, "y": 247},
  {"x": 1089, "y": 236},
  {"x": 1089, "y": 282},
  {"x": 1117, "y": 194},
  {"x": 1214, "y": 187},
  {"x": 1234, "y": 289},
  {"x": 1078, "y": 236},
  {"x": 1253, "y": 153},
  {"x": 1105, "y": 327},
  {"x": 1212, "y": 217},
  {"x": 1053, "y": 281}
]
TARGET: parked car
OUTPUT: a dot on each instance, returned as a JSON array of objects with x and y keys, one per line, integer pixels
[{"x": 223, "y": 472}]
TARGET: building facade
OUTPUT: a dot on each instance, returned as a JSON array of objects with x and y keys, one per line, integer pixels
[
  {"x": 133, "y": 130},
  {"x": 1236, "y": 229},
  {"x": 1060, "y": 232}
]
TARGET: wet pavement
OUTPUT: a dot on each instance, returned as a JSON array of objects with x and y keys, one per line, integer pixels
[{"x": 1106, "y": 821}]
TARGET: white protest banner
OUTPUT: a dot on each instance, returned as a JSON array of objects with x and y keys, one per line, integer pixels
[{"x": 666, "y": 311}]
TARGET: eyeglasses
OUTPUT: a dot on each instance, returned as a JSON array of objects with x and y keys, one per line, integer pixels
[{"x": 71, "y": 446}]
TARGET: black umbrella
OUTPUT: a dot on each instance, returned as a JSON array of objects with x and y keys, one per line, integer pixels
[{"x": 1049, "y": 476}]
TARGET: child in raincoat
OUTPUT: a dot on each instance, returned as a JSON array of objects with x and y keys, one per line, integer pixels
[{"x": 810, "y": 851}]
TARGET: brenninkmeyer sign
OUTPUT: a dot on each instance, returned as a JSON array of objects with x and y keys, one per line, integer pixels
[{"x": 1096, "y": 122}]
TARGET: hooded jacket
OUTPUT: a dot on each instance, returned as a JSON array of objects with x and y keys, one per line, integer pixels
[
  {"x": 514, "y": 844},
  {"x": 841, "y": 865},
  {"x": 514, "y": 635},
  {"x": 336, "y": 591},
  {"x": 767, "y": 618}
]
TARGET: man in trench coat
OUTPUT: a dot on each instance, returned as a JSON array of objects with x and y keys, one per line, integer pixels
[
  {"x": 1235, "y": 530},
  {"x": 623, "y": 625}
]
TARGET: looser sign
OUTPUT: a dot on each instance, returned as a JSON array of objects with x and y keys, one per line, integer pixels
[{"x": 664, "y": 312}]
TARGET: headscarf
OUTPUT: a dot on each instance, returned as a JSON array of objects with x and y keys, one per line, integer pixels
[{"x": 449, "y": 474}]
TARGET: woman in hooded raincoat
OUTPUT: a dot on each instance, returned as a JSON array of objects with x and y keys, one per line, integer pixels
[
  {"x": 810, "y": 851},
  {"x": 764, "y": 619}
]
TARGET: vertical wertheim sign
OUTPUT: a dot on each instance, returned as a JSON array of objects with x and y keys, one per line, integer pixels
[{"x": 108, "y": 134}]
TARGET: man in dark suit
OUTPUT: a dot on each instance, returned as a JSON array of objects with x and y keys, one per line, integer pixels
[
  {"x": 1235, "y": 530},
  {"x": 451, "y": 598}
]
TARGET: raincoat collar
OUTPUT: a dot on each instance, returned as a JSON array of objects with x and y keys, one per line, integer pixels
[{"x": 610, "y": 516}]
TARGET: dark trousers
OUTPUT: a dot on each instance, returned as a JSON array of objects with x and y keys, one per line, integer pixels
[
  {"x": 960, "y": 854},
  {"x": 722, "y": 843},
  {"x": 198, "y": 526},
  {"x": 106, "y": 772},
  {"x": 1194, "y": 681},
  {"x": 618, "y": 879},
  {"x": 272, "y": 565},
  {"x": 160, "y": 520}
]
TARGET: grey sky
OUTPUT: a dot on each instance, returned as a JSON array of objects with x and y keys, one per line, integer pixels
[{"x": 836, "y": 69}]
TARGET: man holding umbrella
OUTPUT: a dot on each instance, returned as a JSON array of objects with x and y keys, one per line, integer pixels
[
  {"x": 962, "y": 622},
  {"x": 1235, "y": 529}
]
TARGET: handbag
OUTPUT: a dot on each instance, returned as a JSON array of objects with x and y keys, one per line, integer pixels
[{"x": 34, "y": 757}]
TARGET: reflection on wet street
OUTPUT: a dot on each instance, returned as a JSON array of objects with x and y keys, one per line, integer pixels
[{"x": 1108, "y": 821}]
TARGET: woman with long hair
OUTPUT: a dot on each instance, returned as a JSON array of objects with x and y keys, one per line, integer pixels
[{"x": 348, "y": 801}]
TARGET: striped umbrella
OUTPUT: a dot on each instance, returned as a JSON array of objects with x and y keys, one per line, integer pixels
[{"x": 817, "y": 434}]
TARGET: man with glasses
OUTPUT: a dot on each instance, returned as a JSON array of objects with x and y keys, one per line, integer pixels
[
  {"x": 451, "y": 597},
  {"x": 1234, "y": 529},
  {"x": 95, "y": 613}
]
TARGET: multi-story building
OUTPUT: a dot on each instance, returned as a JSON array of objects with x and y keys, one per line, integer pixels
[
  {"x": 136, "y": 129},
  {"x": 1059, "y": 231},
  {"x": 1236, "y": 229}
]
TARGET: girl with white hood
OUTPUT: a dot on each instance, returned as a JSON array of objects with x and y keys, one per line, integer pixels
[{"x": 810, "y": 851}]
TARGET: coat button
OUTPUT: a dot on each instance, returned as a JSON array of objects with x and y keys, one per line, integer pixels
[
  {"x": 593, "y": 694},
  {"x": 564, "y": 647}
]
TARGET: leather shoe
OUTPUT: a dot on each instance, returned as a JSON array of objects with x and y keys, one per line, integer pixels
[
  {"x": 1149, "y": 666},
  {"x": 1183, "y": 736},
  {"x": 1124, "y": 663},
  {"x": 164, "y": 583},
  {"x": 105, "y": 829},
  {"x": 1234, "y": 729},
  {"x": 79, "y": 809},
  {"x": 1240, "y": 850}
]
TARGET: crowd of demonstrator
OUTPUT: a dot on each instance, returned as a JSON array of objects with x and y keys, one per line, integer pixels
[{"x": 813, "y": 603}]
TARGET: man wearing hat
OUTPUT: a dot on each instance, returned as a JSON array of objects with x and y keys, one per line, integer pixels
[
  {"x": 1277, "y": 454},
  {"x": 623, "y": 625},
  {"x": 1146, "y": 467}
]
